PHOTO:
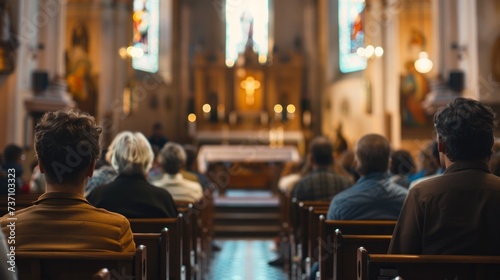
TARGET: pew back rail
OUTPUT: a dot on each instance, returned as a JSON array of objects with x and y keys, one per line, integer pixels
[{"x": 410, "y": 267}]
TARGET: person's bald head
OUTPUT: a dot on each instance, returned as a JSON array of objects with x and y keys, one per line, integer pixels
[{"x": 372, "y": 154}]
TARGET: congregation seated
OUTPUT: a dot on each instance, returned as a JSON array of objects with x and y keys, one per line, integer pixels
[
  {"x": 374, "y": 196},
  {"x": 67, "y": 147},
  {"x": 157, "y": 139},
  {"x": 191, "y": 168},
  {"x": 12, "y": 164},
  {"x": 291, "y": 174},
  {"x": 401, "y": 166},
  {"x": 455, "y": 213},
  {"x": 130, "y": 194},
  {"x": 322, "y": 183},
  {"x": 104, "y": 174},
  {"x": 431, "y": 149},
  {"x": 173, "y": 160},
  {"x": 429, "y": 165}
]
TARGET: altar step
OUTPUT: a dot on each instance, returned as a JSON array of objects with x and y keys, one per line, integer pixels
[{"x": 250, "y": 216}]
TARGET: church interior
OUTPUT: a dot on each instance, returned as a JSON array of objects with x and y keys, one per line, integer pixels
[{"x": 249, "y": 83}]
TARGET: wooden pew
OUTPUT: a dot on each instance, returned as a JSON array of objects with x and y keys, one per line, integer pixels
[
  {"x": 175, "y": 239},
  {"x": 199, "y": 217},
  {"x": 305, "y": 223},
  {"x": 429, "y": 267},
  {"x": 158, "y": 253},
  {"x": 300, "y": 232},
  {"x": 344, "y": 249},
  {"x": 42, "y": 265},
  {"x": 327, "y": 230},
  {"x": 314, "y": 237},
  {"x": 21, "y": 201},
  {"x": 190, "y": 237},
  {"x": 284, "y": 202}
]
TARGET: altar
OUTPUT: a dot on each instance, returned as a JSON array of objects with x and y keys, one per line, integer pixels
[
  {"x": 245, "y": 166},
  {"x": 266, "y": 137}
]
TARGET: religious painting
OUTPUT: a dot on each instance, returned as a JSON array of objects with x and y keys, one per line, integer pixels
[
  {"x": 351, "y": 35},
  {"x": 413, "y": 91},
  {"x": 145, "y": 40},
  {"x": 81, "y": 84},
  {"x": 247, "y": 27},
  {"x": 8, "y": 42}
]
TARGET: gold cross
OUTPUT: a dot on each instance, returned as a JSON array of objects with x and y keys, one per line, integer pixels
[{"x": 250, "y": 85}]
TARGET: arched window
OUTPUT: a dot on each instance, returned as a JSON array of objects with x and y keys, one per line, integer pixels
[{"x": 247, "y": 25}]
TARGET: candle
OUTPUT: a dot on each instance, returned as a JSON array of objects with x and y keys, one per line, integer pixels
[
  {"x": 264, "y": 118},
  {"x": 233, "y": 118},
  {"x": 272, "y": 138},
  {"x": 206, "y": 111},
  {"x": 290, "y": 111},
  {"x": 192, "y": 125},
  {"x": 306, "y": 118},
  {"x": 280, "y": 136},
  {"x": 220, "y": 112}
]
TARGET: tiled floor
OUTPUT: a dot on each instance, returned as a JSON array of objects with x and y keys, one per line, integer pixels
[{"x": 245, "y": 259}]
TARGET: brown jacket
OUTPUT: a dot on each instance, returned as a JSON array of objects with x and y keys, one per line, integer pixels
[
  {"x": 61, "y": 221},
  {"x": 455, "y": 213}
]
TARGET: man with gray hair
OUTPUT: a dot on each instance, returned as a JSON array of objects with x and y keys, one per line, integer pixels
[
  {"x": 173, "y": 160},
  {"x": 130, "y": 194}
]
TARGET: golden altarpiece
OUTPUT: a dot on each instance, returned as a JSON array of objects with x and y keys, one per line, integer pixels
[
  {"x": 249, "y": 95},
  {"x": 252, "y": 103}
]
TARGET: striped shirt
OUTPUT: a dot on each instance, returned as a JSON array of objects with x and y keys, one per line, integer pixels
[{"x": 321, "y": 184}]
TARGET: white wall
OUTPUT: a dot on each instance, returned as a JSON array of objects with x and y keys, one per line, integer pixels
[
  {"x": 488, "y": 31},
  {"x": 355, "y": 100},
  {"x": 346, "y": 102}
]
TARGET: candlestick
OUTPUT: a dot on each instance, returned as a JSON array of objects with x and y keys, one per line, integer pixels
[
  {"x": 264, "y": 118},
  {"x": 192, "y": 125}
]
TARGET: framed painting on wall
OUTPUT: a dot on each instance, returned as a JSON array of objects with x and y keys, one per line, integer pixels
[{"x": 351, "y": 35}]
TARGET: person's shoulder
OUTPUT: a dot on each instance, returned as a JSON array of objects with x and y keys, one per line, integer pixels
[
  {"x": 99, "y": 190},
  {"x": 192, "y": 184},
  {"x": 396, "y": 186},
  {"x": 345, "y": 194},
  {"x": 160, "y": 192},
  {"x": 343, "y": 178},
  {"x": 107, "y": 217},
  {"x": 159, "y": 181}
]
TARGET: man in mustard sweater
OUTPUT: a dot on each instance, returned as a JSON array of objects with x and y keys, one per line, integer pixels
[{"x": 67, "y": 147}]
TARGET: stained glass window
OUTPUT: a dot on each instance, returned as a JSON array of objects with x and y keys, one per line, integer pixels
[{"x": 247, "y": 24}]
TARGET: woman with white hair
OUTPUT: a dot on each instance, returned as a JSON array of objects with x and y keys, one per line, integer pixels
[
  {"x": 130, "y": 194},
  {"x": 104, "y": 174}
]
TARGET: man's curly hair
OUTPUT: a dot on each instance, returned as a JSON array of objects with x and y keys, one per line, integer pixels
[
  {"x": 66, "y": 144},
  {"x": 466, "y": 127}
]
